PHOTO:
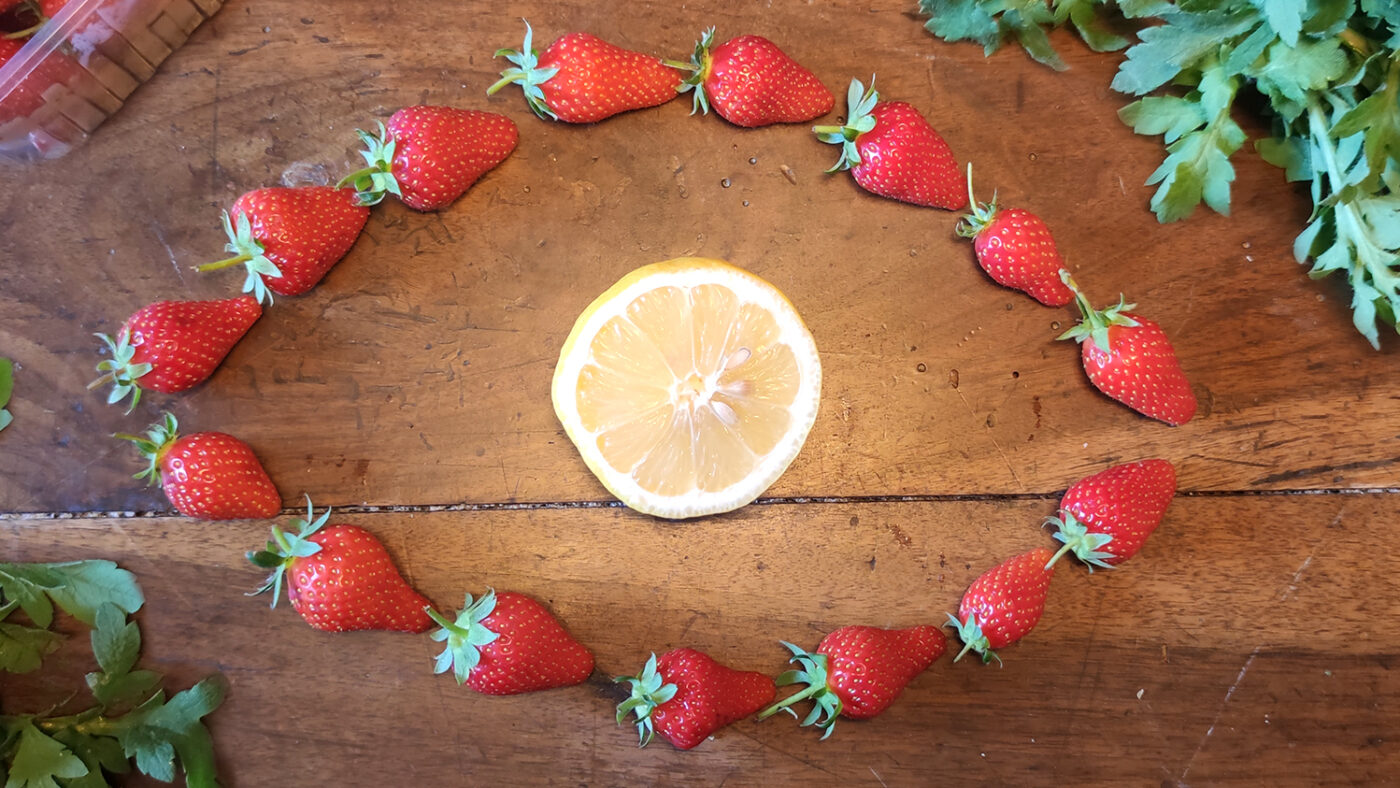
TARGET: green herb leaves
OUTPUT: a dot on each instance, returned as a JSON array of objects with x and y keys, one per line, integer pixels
[
  {"x": 132, "y": 718},
  {"x": 7, "y": 388},
  {"x": 1331, "y": 77}
]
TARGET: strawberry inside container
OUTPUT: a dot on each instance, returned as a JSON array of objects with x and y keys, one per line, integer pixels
[{"x": 80, "y": 66}]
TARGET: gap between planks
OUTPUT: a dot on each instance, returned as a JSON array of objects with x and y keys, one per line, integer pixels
[{"x": 787, "y": 501}]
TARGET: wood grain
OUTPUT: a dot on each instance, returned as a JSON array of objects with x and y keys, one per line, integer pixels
[
  {"x": 1251, "y": 642},
  {"x": 417, "y": 373}
]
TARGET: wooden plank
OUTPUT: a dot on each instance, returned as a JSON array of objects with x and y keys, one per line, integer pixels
[
  {"x": 1250, "y": 643},
  {"x": 419, "y": 371}
]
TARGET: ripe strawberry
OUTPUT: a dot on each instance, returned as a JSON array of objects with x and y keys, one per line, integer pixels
[
  {"x": 1014, "y": 247},
  {"x": 685, "y": 696},
  {"x": 9, "y": 47},
  {"x": 751, "y": 82},
  {"x": 50, "y": 8},
  {"x": 207, "y": 475},
  {"x": 289, "y": 238},
  {"x": 339, "y": 578},
  {"x": 1105, "y": 518},
  {"x": 507, "y": 643},
  {"x": 1004, "y": 604},
  {"x": 171, "y": 346},
  {"x": 581, "y": 78},
  {"x": 893, "y": 152},
  {"x": 429, "y": 156},
  {"x": 1129, "y": 358},
  {"x": 857, "y": 672}
]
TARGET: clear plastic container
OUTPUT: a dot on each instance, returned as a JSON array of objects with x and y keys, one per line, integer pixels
[{"x": 82, "y": 65}]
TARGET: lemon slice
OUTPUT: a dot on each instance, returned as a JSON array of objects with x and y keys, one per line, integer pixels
[{"x": 688, "y": 387}]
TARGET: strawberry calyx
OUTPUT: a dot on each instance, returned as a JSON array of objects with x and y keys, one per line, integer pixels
[
  {"x": 38, "y": 13},
  {"x": 699, "y": 67},
  {"x": 826, "y": 704},
  {"x": 119, "y": 370},
  {"x": 860, "y": 102},
  {"x": 159, "y": 438},
  {"x": 465, "y": 636},
  {"x": 527, "y": 72},
  {"x": 982, "y": 213},
  {"x": 649, "y": 690},
  {"x": 376, "y": 180},
  {"x": 248, "y": 252},
  {"x": 284, "y": 549},
  {"x": 1094, "y": 323},
  {"x": 970, "y": 633},
  {"x": 1078, "y": 539}
]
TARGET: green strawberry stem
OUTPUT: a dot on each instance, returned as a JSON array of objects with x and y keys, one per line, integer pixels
[
  {"x": 701, "y": 61},
  {"x": 1094, "y": 323},
  {"x": 528, "y": 74},
  {"x": 119, "y": 370},
  {"x": 376, "y": 180},
  {"x": 227, "y": 262},
  {"x": 649, "y": 690},
  {"x": 826, "y": 704},
  {"x": 465, "y": 636},
  {"x": 25, "y": 33},
  {"x": 249, "y": 252},
  {"x": 1077, "y": 538},
  {"x": 155, "y": 445},
  {"x": 859, "y": 104},
  {"x": 284, "y": 549},
  {"x": 982, "y": 213},
  {"x": 973, "y": 639}
]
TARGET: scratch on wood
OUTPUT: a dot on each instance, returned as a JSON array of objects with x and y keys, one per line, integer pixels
[
  {"x": 160, "y": 235},
  {"x": 878, "y": 778},
  {"x": 993, "y": 438},
  {"x": 1239, "y": 678}
]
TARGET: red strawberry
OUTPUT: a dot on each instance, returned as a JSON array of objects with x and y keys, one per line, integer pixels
[
  {"x": 50, "y": 8},
  {"x": 430, "y": 156},
  {"x": 340, "y": 578},
  {"x": 1129, "y": 358},
  {"x": 506, "y": 644},
  {"x": 685, "y": 696},
  {"x": 171, "y": 346},
  {"x": 9, "y": 47},
  {"x": 1105, "y": 518},
  {"x": 1014, "y": 247},
  {"x": 289, "y": 238},
  {"x": 207, "y": 475},
  {"x": 1004, "y": 604},
  {"x": 582, "y": 79},
  {"x": 751, "y": 82},
  {"x": 893, "y": 152},
  {"x": 857, "y": 672}
]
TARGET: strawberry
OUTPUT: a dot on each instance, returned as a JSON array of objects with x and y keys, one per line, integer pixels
[
  {"x": 893, "y": 152},
  {"x": 207, "y": 475},
  {"x": 1105, "y": 518},
  {"x": 581, "y": 78},
  {"x": 50, "y": 8},
  {"x": 506, "y": 644},
  {"x": 686, "y": 696},
  {"x": 1129, "y": 358},
  {"x": 1004, "y": 604},
  {"x": 171, "y": 346},
  {"x": 429, "y": 156},
  {"x": 288, "y": 238},
  {"x": 1014, "y": 247},
  {"x": 857, "y": 672},
  {"x": 751, "y": 82},
  {"x": 9, "y": 47},
  {"x": 339, "y": 578}
]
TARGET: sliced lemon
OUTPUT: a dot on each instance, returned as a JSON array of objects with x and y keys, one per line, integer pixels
[{"x": 688, "y": 387}]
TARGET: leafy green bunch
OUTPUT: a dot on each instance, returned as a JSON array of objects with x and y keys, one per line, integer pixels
[
  {"x": 131, "y": 717},
  {"x": 1331, "y": 76}
]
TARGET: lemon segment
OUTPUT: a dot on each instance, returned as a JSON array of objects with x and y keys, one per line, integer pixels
[{"x": 688, "y": 387}]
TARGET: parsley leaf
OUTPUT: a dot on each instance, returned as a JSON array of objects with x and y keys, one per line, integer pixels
[
  {"x": 39, "y": 761},
  {"x": 154, "y": 734},
  {"x": 7, "y": 388},
  {"x": 22, "y": 648},
  {"x": 78, "y": 587}
]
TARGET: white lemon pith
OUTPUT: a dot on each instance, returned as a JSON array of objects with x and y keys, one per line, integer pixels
[{"x": 688, "y": 387}]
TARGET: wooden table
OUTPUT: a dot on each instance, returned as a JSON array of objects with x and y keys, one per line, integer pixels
[{"x": 1252, "y": 642}]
